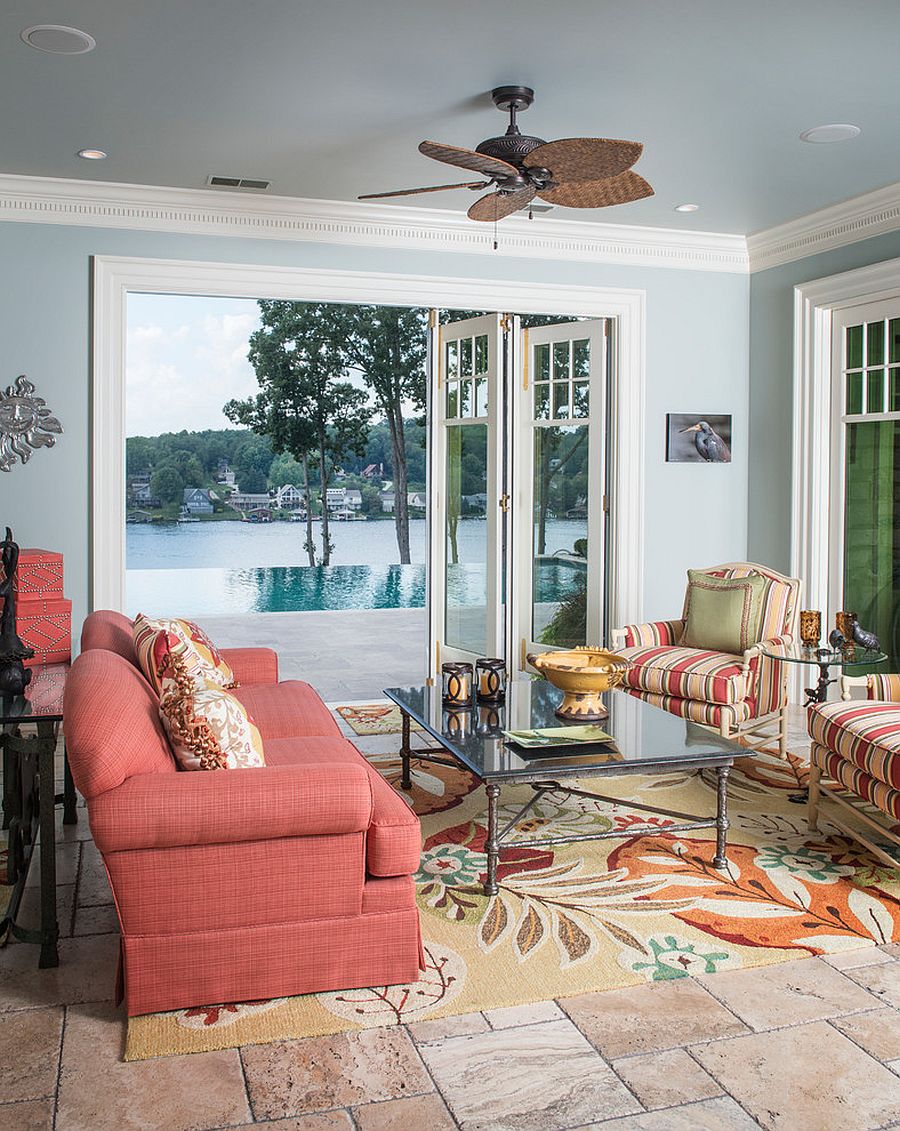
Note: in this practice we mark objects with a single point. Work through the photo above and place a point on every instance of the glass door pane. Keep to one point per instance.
(466, 615)
(872, 530)
(561, 472)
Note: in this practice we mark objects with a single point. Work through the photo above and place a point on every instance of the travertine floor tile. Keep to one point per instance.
(509, 1016)
(862, 956)
(809, 1076)
(99, 919)
(292, 1077)
(66, 864)
(650, 1018)
(883, 981)
(665, 1079)
(33, 1115)
(538, 1078)
(721, 1114)
(321, 1121)
(29, 1054)
(463, 1025)
(30, 909)
(893, 949)
(424, 1113)
(86, 972)
(98, 1091)
(93, 883)
(790, 993)
(877, 1032)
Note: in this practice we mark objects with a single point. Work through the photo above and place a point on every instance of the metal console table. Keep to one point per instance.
(30, 799)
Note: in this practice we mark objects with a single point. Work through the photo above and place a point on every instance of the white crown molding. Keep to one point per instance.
(102, 204)
(860, 218)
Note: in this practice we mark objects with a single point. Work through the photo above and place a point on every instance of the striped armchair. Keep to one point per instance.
(740, 696)
(856, 749)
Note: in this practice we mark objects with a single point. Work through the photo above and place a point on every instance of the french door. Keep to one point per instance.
(864, 573)
(518, 471)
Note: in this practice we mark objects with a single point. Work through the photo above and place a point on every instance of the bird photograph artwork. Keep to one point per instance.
(691, 438)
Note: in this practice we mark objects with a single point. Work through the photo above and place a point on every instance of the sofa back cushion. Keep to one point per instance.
(109, 630)
(111, 723)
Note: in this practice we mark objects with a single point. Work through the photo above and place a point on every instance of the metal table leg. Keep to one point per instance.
(720, 860)
(405, 751)
(492, 845)
(69, 799)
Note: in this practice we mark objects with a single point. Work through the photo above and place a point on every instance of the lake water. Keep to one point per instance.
(208, 568)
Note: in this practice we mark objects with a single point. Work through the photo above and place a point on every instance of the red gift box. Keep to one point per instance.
(45, 626)
(39, 574)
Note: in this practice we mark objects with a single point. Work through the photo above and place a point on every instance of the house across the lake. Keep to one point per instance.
(197, 500)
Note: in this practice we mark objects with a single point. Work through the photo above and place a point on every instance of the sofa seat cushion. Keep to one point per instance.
(865, 734)
(393, 839)
(686, 673)
(310, 749)
(708, 714)
(857, 781)
(286, 710)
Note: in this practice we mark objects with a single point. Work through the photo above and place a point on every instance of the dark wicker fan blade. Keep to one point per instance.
(496, 205)
(599, 194)
(413, 191)
(585, 158)
(468, 159)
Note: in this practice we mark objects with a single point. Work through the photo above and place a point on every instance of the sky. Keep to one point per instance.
(186, 356)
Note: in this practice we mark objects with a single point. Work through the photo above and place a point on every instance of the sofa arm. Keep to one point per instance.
(228, 806)
(767, 675)
(252, 665)
(652, 634)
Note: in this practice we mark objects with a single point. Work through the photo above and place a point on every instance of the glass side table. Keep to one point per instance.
(30, 798)
(825, 659)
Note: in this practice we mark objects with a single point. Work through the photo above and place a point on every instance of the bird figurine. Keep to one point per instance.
(709, 444)
(865, 639)
(837, 640)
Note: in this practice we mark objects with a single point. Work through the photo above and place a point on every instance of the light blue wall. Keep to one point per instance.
(771, 388)
(697, 360)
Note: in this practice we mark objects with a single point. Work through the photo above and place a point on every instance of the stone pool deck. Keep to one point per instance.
(347, 656)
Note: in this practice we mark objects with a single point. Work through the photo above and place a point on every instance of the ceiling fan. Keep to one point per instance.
(576, 172)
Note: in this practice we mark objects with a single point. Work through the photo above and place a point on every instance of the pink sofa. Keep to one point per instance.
(236, 885)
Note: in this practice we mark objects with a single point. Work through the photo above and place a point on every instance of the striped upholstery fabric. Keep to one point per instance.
(884, 687)
(865, 734)
(769, 690)
(857, 781)
(710, 714)
(686, 673)
(659, 632)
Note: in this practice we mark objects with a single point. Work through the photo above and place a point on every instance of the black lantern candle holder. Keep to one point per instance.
(458, 681)
(490, 680)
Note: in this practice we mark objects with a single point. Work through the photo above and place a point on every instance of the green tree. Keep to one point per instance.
(304, 406)
(252, 461)
(371, 501)
(167, 485)
(253, 482)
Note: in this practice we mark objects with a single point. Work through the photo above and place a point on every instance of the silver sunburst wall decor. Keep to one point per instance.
(25, 423)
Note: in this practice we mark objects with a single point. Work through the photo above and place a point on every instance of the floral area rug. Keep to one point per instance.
(366, 719)
(592, 915)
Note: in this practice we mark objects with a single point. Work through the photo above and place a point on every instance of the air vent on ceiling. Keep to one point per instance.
(238, 183)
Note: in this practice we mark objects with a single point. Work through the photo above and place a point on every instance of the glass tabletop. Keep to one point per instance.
(643, 735)
(43, 698)
(828, 657)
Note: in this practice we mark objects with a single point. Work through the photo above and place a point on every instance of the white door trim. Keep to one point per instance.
(811, 509)
(114, 277)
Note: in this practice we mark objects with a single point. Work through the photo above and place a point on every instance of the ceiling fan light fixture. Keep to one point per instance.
(687, 207)
(834, 131)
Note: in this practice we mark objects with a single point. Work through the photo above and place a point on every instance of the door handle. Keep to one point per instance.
(503, 503)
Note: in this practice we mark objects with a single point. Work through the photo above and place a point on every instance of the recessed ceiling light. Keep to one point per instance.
(686, 207)
(59, 39)
(836, 131)
(92, 154)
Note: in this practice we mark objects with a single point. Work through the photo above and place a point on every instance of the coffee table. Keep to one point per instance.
(647, 741)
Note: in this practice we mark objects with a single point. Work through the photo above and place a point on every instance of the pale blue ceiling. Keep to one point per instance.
(330, 99)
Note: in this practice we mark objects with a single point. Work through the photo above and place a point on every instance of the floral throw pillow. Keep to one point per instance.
(208, 728)
(156, 637)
